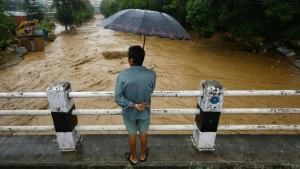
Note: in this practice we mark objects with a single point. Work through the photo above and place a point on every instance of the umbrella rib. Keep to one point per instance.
(141, 22)
(125, 11)
(171, 28)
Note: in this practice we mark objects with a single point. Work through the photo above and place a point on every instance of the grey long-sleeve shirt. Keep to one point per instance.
(135, 85)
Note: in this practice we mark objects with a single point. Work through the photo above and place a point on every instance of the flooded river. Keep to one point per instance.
(180, 65)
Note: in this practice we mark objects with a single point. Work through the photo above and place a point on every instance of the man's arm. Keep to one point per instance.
(119, 98)
(122, 101)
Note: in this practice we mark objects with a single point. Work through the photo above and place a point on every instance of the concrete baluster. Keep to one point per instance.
(210, 105)
(61, 107)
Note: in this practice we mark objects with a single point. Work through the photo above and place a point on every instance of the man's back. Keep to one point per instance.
(136, 84)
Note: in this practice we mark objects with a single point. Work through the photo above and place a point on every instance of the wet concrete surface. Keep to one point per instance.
(166, 151)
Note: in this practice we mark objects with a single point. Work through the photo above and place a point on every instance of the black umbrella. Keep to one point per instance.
(147, 23)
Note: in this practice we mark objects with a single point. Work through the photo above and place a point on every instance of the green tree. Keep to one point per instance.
(282, 19)
(238, 19)
(33, 10)
(108, 7)
(7, 28)
(243, 19)
(69, 12)
(271, 19)
(64, 12)
(175, 8)
(46, 25)
(203, 15)
(84, 11)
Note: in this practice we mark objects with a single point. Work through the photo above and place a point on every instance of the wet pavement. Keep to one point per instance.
(166, 151)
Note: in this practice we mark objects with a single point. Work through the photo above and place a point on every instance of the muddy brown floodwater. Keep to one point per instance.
(180, 65)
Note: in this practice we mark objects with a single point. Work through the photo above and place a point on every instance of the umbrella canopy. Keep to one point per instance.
(146, 22)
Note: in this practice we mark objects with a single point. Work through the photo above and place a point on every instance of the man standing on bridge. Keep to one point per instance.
(133, 93)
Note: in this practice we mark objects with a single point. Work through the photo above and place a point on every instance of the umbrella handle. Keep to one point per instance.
(144, 41)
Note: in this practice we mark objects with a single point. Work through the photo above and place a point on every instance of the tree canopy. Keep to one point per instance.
(175, 8)
(271, 19)
(33, 10)
(69, 12)
(245, 19)
(7, 28)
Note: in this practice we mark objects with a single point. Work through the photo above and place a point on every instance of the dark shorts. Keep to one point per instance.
(133, 126)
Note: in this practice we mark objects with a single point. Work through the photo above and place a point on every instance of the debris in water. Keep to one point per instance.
(22, 50)
(114, 54)
(286, 52)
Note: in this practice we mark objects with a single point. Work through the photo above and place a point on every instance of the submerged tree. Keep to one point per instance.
(69, 12)
(64, 12)
(84, 11)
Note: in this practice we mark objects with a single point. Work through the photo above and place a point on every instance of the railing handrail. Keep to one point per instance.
(154, 111)
(290, 127)
(210, 100)
(194, 93)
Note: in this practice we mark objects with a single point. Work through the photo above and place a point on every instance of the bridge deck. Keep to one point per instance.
(166, 151)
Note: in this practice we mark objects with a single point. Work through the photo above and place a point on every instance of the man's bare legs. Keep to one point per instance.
(132, 138)
(143, 138)
(132, 144)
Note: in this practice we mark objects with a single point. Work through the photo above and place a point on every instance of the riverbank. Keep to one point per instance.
(294, 60)
(10, 58)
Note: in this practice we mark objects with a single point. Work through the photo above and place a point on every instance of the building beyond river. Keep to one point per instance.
(96, 5)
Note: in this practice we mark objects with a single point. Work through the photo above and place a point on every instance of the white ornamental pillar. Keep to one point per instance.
(61, 107)
(210, 105)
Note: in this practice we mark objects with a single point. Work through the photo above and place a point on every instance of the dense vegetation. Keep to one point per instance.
(244, 19)
(46, 25)
(176, 8)
(69, 12)
(7, 28)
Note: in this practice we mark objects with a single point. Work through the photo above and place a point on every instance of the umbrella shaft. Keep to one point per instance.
(144, 41)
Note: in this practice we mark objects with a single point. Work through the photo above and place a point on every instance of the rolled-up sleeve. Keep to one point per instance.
(119, 97)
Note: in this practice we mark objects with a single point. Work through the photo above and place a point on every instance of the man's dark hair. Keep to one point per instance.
(136, 53)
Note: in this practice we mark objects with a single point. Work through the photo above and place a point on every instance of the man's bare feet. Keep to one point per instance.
(133, 159)
(144, 156)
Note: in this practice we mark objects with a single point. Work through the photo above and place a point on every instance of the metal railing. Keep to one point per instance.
(157, 94)
(155, 111)
(154, 128)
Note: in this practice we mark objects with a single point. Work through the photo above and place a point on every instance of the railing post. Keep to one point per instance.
(210, 105)
(61, 107)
